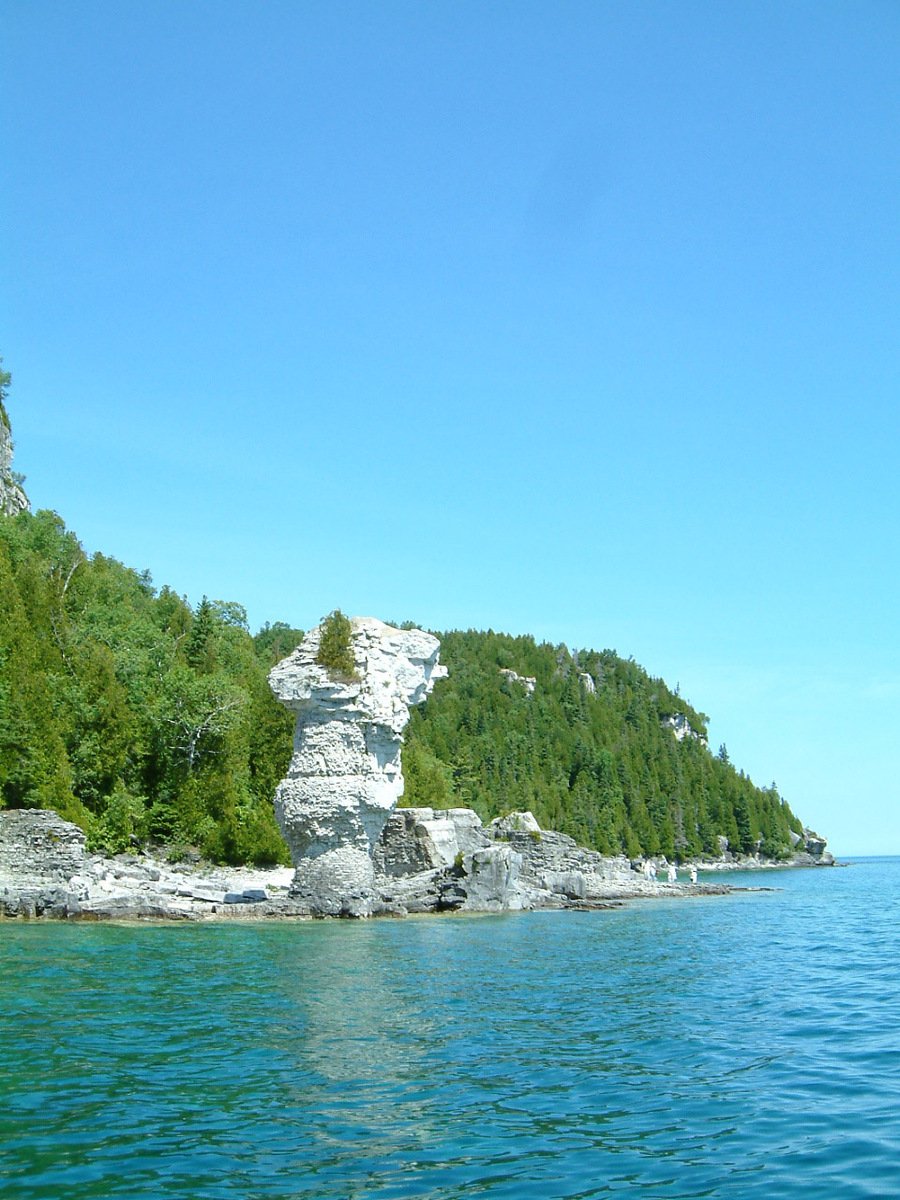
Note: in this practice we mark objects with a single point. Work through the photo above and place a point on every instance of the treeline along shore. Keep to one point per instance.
(144, 720)
(149, 723)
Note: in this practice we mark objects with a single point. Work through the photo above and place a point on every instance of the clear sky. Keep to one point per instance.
(573, 319)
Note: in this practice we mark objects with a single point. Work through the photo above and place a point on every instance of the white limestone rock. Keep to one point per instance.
(555, 863)
(682, 728)
(528, 682)
(435, 860)
(492, 881)
(345, 775)
(12, 497)
(427, 839)
(571, 884)
(812, 850)
(514, 822)
(36, 845)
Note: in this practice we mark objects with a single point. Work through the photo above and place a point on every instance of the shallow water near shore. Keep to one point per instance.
(737, 1046)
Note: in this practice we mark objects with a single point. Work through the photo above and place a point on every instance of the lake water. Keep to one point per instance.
(743, 1046)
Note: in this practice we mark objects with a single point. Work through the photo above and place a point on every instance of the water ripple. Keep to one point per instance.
(737, 1048)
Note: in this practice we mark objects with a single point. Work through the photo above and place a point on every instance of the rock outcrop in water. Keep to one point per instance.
(345, 776)
(810, 849)
(426, 860)
(354, 854)
(45, 871)
(431, 860)
(41, 859)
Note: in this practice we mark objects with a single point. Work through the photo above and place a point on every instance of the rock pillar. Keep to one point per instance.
(345, 775)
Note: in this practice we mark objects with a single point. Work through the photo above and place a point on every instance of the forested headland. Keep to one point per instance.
(586, 741)
(142, 718)
(146, 720)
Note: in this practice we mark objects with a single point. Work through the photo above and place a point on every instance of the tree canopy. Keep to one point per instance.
(142, 718)
(128, 711)
(591, 752)
(335, 651)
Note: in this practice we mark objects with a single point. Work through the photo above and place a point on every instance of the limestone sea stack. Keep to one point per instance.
(345, 776)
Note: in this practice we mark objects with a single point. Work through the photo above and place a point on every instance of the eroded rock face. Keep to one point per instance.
(811, 849)
(345, 777)
(682, 728)
(528, 682)
(12, 498)
(432, 860)
(46, 872)
(37, 844)
(427, 839)
(427, 861)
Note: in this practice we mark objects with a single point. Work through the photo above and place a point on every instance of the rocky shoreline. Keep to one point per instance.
(426, 861)
(355, 853)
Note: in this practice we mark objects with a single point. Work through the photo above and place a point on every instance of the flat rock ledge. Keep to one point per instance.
(45, 871)
(425, 861)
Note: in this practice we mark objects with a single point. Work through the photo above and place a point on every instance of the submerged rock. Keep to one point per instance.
(344, 777)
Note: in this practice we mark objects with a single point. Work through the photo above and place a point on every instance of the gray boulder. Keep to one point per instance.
(426, 839)
(514, 822)
(492, 883)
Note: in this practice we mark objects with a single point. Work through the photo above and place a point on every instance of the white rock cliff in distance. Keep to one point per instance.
(12, 497)
(345, 776)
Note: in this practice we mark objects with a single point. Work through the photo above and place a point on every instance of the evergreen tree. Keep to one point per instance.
(126, 712)
(137, 717)
(335, 651)
(603, 767)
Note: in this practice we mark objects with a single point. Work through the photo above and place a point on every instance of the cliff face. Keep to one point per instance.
(12, 498)
(811, 849)
(345, 777)
(682, 728)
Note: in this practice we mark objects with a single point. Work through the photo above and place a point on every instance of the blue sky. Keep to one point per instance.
(573, 319)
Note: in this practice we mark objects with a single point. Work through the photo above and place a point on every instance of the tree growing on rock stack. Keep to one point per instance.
(336, 647)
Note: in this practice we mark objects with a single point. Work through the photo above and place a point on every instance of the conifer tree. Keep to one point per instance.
(335, 645)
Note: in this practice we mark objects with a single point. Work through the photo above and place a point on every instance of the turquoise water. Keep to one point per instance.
(744, 1046)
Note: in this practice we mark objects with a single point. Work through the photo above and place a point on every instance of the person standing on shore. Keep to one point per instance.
(693, 873)
(673, 873)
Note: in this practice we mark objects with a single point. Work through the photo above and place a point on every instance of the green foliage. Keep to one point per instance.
(123, 825)
(335, 651)
(275, 642)
(599, 765)
(138, 717)
(5, 381)
(129, 712)
(427, 782)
